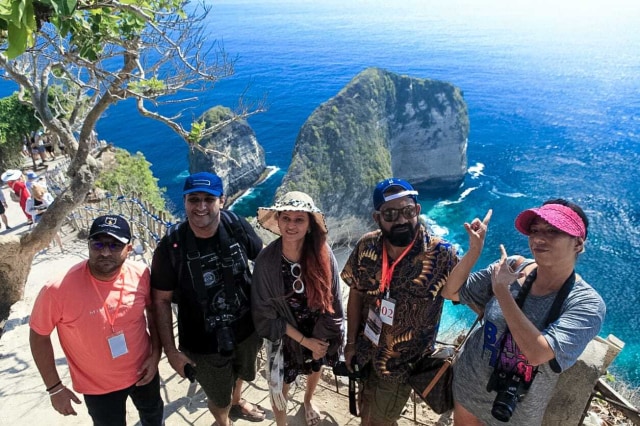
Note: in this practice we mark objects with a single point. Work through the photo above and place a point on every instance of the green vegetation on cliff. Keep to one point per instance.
(378, 125)
(131, 174)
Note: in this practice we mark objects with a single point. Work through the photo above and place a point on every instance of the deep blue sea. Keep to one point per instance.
(553, 93)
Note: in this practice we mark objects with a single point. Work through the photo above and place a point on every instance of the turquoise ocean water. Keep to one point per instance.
(553, 93)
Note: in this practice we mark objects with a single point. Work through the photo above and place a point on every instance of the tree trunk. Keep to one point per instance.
(18, 253)
(14, 270)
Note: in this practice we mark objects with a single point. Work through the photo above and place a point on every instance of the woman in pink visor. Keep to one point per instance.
(539, 315)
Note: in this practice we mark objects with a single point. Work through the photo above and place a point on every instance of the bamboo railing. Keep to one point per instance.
(148, 224)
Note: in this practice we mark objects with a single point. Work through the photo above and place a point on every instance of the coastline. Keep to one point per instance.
(269, 171)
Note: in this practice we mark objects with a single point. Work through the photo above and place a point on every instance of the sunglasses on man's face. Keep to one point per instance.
(113, 246)
(391, 215)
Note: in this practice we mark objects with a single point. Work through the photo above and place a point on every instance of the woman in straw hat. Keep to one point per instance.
(539, 315)
(296, 299)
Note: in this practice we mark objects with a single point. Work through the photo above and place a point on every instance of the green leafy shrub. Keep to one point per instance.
(132, 175)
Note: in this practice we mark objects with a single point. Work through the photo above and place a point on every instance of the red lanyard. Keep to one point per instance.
(110, 319)
(387, 271)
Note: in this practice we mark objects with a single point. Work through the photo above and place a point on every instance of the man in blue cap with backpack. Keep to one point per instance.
(202, 264)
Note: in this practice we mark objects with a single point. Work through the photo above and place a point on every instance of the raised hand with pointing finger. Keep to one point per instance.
(477, 231)
(503, 275)
(522, 329)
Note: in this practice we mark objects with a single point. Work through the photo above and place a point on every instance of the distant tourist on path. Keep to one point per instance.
(539, 316)
(395, 275)
(15, 180)
(203, 265)
(98, 308)
(296, 299)
(38, 203)
(33, 178)
(3, 207)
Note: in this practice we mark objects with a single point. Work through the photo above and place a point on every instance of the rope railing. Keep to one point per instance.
(148, 225)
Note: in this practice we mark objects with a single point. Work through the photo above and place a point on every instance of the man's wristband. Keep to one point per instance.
(57, 392)
(50, 388)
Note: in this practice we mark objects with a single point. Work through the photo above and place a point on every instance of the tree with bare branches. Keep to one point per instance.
(101, 52)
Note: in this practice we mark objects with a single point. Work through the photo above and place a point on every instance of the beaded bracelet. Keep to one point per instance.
(49, 389)
(57, 392)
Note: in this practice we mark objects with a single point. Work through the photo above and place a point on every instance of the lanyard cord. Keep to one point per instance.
(387, 271)
(110, 319)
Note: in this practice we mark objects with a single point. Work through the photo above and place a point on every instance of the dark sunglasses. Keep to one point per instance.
(112, 246)
(391, 215)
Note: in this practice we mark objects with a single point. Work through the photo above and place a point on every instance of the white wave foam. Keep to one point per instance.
(495, 191)
(272, 171)
(460, 199)
(435, 228)
(182, 175)
(476, 170)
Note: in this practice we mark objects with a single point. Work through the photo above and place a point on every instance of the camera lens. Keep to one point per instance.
(501, 411)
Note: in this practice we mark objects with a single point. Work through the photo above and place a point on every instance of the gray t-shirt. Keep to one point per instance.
(580, 320)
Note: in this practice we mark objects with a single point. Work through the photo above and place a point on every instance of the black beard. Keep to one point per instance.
(400, 235)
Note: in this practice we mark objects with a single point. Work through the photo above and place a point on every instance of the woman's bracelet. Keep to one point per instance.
(350, 343)
(50, 388)
(58, 391)
(301, 339)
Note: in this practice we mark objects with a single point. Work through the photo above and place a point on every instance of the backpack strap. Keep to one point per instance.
(234, 228)
(554, 313)
(234, 232)
(175, 254)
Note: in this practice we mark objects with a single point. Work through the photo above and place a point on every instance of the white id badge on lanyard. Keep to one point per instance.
(387, 309)
(118, 345)
(374, 327)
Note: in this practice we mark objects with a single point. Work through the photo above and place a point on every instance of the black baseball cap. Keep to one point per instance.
(113, 225)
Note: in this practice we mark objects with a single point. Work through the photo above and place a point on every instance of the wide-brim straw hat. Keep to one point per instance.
(10, 175)
(294, 201)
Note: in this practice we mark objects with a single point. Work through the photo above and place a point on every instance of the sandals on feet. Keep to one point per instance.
(256, 414)
(312, 416)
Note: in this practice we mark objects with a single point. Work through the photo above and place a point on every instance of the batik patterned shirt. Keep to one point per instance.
(416, 285)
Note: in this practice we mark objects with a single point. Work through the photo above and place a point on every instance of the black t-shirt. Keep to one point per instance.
(191, 316)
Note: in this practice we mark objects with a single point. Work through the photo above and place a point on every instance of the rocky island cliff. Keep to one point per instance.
(380, 124)
(235, 154)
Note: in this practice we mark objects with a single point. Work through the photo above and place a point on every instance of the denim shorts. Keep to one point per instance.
(217, 374)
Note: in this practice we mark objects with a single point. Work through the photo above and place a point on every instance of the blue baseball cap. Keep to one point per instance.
(406, 190)
(203, 182)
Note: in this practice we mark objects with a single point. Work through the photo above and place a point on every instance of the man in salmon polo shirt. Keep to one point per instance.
(98, 308)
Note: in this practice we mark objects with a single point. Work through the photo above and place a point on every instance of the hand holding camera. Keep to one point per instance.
(340, 369)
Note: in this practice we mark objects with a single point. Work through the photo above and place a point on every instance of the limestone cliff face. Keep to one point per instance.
(238, 158)
(381, 124)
